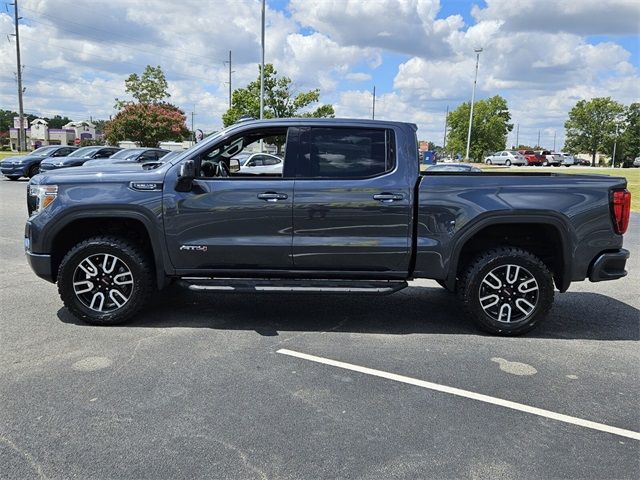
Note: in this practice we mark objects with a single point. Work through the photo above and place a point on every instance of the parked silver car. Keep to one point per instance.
(506, 157)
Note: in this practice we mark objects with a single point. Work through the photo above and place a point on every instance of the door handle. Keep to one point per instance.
(388, 197)
(272, 196)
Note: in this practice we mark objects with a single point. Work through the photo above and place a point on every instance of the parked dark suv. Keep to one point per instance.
(78, 158)
(130, 155)
(29, 165)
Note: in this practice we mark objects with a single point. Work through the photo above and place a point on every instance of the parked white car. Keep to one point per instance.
(506, 157)
(259, 163)
(553, 158)
(567, 159)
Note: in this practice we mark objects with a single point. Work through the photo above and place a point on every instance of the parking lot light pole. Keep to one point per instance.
(473, 96)
(262, 77)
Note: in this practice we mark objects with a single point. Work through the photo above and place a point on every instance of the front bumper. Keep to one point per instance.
(14, 170)
(41, 265)
(609, 266)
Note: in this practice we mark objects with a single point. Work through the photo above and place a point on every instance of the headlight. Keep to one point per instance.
(44, 195)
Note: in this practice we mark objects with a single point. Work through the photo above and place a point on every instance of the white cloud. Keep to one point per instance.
(357, 77)
(408, 26)
(583, 17)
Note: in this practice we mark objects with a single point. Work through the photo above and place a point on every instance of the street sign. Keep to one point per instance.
(16, 122)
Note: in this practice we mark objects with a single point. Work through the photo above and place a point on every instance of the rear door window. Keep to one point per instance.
(346, 153)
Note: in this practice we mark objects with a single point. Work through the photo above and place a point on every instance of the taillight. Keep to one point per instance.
(620, 210)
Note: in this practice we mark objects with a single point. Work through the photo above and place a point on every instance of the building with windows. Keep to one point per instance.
(39, 134)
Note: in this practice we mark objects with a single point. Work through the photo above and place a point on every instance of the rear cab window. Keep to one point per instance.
(345, 152)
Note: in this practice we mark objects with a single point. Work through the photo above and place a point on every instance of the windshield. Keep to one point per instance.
(126, 154)
(84, 152)
(170, 155)
(43, 150)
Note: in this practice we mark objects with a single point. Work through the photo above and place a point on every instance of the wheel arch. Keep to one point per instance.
(132, 225)
(546, 236)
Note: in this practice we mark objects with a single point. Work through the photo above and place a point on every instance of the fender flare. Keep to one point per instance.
(153, 227)
(556, 220)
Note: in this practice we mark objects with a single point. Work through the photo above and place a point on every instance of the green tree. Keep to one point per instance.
(151, 87)
(591, 126)
(149, 120)
(6, 119)
(279, 100)
(489, 130)
(57, 121)
(629, 139)
(100, 125)
(147, 124)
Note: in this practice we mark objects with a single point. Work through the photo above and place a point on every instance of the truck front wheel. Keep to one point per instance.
(506, 290)
(104, 280)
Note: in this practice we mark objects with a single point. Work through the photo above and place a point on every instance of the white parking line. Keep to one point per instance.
(467, 394)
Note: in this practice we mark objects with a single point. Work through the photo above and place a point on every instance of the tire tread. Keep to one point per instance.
(144, 283)
(466, 281)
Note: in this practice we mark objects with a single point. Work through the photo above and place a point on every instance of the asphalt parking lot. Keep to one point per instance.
(207, 386)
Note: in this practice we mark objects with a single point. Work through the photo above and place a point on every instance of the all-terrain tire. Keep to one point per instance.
(508, 276)
(111, 297)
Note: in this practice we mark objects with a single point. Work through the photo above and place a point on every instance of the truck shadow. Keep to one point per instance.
(415, 310)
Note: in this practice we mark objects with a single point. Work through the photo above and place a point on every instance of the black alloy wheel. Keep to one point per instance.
(506, 290)
(105, 280)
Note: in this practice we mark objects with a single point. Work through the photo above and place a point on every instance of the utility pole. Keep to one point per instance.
(473, 96)
(446, 125)
(517, 136)
(615, 141)
(22, 134)
(554, 140)
(373, 111)
(262, 69)
(230, 72)
(539, 146)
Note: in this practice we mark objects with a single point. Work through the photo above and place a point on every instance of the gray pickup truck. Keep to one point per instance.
(350, 212)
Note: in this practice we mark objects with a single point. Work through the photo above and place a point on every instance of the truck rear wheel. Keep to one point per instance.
(506, 291)
(104, 280)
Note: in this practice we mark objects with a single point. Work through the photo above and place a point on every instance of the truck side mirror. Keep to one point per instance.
(186, 176)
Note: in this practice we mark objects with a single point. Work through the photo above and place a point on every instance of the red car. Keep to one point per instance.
(532, 157)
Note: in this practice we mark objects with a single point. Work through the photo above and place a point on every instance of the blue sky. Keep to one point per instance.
(541, 55)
